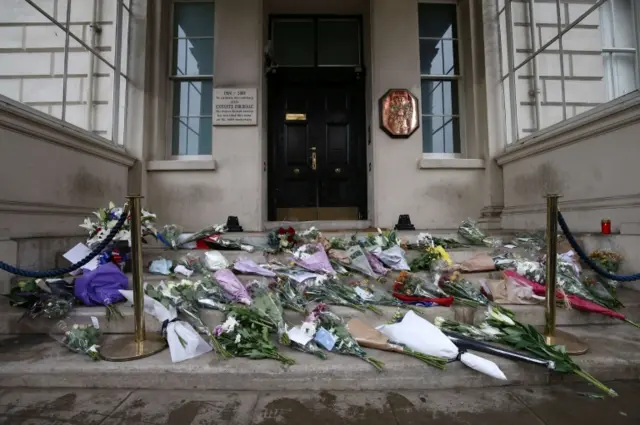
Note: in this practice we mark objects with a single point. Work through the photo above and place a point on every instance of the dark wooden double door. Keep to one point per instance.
(317, 146)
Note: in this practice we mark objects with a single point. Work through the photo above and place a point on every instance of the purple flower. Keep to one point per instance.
(217, 331)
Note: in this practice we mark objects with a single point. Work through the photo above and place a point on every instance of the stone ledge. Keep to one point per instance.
(40, 361)
(427, 163)
(182, 165)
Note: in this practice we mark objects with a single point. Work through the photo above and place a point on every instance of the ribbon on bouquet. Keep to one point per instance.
(184, 342)
(424, 301)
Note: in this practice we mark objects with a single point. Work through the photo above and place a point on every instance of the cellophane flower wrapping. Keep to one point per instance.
(358, 260)
(302, 339)
(314, 258)
(214, 260)
(290, 295)
(51, 298)
(245, 265)
(462, 290)
(266, 302)
(184, 341)
(393, 257)
(232, 286)
(106, 219)
(82, 339)
(171, 234)
(470, 231)
(101, 286)
(376, 265)
(422, 336)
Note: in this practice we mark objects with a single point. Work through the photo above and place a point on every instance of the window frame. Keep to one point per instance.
(172, 79)
(458, 78)
(512, 114)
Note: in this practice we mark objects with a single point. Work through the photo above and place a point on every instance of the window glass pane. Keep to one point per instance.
(293, 42)
(440, 134)
(339, 42)
(193, 56)
(438, 57)
(439, 97)
(191, 136)
(437, 20)
(193, 98)
(193, 20)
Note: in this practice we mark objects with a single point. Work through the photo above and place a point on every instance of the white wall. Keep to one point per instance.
(590, 160)
(441, 193)
(53, 177)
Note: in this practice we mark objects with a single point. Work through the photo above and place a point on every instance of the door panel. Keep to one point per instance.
(333, 128)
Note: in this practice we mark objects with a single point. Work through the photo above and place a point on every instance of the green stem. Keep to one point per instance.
(434, 361)
(632, 323)
(375, 309)
(586, 376)
(375, 363)
(283, 359)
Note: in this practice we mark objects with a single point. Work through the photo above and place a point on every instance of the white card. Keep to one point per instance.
(77, 253)
(94, 322)
(296, 334)
(363, 293)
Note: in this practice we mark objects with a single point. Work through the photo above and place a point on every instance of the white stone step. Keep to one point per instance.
(40, 361)
(12, 321)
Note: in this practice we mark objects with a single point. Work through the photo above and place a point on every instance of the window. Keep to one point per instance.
(439, 77)
(619, 46)
(561, 58)
(311, 42)
(192, 78)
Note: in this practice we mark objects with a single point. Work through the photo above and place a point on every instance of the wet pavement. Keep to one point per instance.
(550, 405)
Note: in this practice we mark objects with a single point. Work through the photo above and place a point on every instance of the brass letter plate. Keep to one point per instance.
(295, 117)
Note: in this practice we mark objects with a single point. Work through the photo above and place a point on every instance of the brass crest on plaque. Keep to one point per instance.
(399, 114)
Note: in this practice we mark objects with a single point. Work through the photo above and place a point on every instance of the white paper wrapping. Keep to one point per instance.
(192, 344)
(422, 336)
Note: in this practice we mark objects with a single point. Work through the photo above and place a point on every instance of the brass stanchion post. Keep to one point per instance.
(125, 348)
(553, 336)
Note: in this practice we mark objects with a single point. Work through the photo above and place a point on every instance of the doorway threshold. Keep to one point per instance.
(322, 225)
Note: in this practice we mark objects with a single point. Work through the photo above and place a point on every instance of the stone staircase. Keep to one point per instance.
(31, 357)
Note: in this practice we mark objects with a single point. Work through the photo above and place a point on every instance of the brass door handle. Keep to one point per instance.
(313, 161)
(296, 171)
(338, 170)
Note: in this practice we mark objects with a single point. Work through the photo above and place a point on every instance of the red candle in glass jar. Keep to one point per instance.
(605, 226)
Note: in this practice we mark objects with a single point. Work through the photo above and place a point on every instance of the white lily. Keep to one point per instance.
(489, 330)
(496, 315)
(238, 338)
(439, 321)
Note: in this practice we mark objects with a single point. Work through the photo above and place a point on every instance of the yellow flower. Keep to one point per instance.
(22, 284)
(444, 255)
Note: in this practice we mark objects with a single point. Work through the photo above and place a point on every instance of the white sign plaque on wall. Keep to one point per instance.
(235, 106)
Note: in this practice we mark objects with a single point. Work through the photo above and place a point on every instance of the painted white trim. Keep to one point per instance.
(38, 208)
(601, 119)
(26, 120)
(601, 203)
(426, 163)
(182, 165)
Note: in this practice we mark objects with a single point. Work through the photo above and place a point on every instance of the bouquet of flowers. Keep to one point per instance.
(313, 258)
(289, 295)
(83, 339)
(600, 289)
(183, 297)
(469, 231)
(107, 219)
(463, 291)
(245, 333)
(570, 282)
(170, 235)
(607, 260)
(184, 342)
(501, 326)
(301, 338)
(52, 299)
(366, 336)
(384, 240)
(232, 286)
(283, 239)
(410, 288)
(334, 336)
(533, 270)
(421, 336)
(268, 305)
(310, 235)
(426, 240)
(332, 291)
(432, 258)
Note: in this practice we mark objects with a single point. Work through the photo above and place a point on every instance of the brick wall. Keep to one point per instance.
(32, 58)
(585, 85)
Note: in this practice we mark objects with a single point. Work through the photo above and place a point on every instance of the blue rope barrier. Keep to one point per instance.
(584, 257)
(59, 272)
